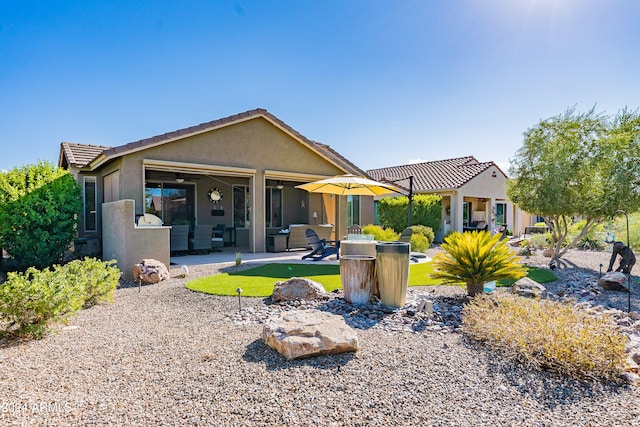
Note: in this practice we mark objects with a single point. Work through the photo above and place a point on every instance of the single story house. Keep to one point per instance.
(473, 193)
(240, 171)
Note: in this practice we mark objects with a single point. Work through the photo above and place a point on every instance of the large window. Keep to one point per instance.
(241, 206)
(353, 210)
(273, 208)
(172, 202)
(90, 203)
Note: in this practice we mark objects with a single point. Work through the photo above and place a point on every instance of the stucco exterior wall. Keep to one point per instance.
(486, 186)
(253, 144)
(128, 244)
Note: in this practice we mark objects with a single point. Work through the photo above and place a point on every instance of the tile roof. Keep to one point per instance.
(79, 155)
(435, 175)
(82, 155)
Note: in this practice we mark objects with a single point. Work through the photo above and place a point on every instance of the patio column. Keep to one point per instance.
(517, 219)
(491, 215)
(457, 201)
(257, 239)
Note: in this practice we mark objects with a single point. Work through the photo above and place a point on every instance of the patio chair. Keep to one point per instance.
(201, 240)
(217, 241)
(319, 248)
(405, 237)
(354, 229)
(179, 238)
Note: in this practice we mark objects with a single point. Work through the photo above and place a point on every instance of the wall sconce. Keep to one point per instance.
(179, 180)
(494, 174)
(315, 216)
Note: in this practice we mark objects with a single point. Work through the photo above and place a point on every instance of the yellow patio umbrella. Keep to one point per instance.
(349, 185)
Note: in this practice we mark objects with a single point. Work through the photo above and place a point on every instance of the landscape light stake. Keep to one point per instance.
(600, 277)
(626, 260)
(239, 291)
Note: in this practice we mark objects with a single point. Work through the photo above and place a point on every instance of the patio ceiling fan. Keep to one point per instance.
(180, 178)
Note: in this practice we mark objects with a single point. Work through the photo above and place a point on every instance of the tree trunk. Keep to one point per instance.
(474, 289)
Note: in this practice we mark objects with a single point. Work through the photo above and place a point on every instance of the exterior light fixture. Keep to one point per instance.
(239, 291)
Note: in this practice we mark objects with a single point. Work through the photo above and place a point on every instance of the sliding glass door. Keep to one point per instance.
(173, 202)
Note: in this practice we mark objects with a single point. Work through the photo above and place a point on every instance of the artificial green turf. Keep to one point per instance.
(259, 281)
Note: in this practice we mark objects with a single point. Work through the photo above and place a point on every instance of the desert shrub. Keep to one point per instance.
(425, 231)
(421, 238)
(419, 243)
(39, 205)
(591, 242)
(380, 234)
(31, 300)
(619, 228)
(539, 241)
(426, 210)
(526, 251)
(475, 258)
(96, 278)
(547, 335)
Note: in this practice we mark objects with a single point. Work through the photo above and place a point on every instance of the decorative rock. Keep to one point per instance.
(300, 334)
(548, 253)
(150, 271)
(526, 287)
(613, 281)
(297, 288)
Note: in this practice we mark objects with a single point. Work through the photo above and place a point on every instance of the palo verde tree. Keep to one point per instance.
(578, 165)
(39, 207)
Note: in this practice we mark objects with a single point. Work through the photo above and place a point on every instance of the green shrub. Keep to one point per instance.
(98, 279)
(380, 234)
(39, 207)
(427, 210)
(539, 241)
(30, 301)
(619, 228)
(421, 238)
(475, 258)
(547, 335)
(591, 242)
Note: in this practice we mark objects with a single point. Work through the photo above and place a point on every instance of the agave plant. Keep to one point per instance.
(476, 258)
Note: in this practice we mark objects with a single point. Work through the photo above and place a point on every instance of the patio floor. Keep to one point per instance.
(228, 255)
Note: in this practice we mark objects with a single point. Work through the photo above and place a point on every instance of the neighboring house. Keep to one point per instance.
(240, 171)
(473, 193)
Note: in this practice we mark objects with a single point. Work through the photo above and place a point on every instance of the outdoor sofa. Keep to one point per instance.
(297, 238)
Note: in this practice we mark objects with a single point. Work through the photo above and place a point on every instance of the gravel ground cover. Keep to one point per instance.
(167, 356)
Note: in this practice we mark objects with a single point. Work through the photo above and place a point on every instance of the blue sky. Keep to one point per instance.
(383, 82)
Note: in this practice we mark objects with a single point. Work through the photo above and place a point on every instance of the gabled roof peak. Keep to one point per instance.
(93, 156)
(437, 174)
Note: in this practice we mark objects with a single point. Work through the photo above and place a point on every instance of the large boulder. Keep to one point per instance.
(297, 288)
(150, 271)
(526, 287)
(306, 333)
(613, 281)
